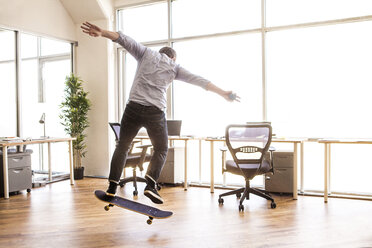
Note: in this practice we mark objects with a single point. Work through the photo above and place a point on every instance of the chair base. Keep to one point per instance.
(246, 191)
(133, 179)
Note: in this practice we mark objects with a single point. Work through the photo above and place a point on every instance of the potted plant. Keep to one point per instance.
(74, 117)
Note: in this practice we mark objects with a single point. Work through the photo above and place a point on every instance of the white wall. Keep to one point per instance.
(43, 17)
(94, 58)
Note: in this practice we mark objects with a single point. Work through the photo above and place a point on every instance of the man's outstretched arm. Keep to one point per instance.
(228, 95)
(186, 76)
(133, 47)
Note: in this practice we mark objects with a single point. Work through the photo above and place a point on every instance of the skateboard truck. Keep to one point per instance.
(107, 208)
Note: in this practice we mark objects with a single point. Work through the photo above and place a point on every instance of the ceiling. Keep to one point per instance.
(84, 10)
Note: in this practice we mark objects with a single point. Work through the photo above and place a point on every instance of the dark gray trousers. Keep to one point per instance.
(135, 117)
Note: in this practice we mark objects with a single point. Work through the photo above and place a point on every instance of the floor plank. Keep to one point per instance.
(61, 215)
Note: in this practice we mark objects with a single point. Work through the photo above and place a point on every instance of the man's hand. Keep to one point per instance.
(91, 29)
(96, 31)
(231, 96)
(228, 95)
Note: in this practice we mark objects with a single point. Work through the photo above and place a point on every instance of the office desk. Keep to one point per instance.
(327, 157)
(295, 142)
(171, 138)
(6, 144)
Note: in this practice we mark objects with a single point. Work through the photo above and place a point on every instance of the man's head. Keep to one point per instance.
(170, 52)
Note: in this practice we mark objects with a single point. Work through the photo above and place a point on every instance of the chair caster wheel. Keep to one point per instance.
(220, 200)
(149, 221)
(135, 193)
(238, 195)
(273, 205)
(241, 208)
(28, 190)
(158, 187)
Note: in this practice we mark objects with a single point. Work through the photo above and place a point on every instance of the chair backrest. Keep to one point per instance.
(248, 143)
(116, 128)
(174, 127)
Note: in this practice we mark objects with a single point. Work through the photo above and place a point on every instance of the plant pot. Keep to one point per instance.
(79, 173)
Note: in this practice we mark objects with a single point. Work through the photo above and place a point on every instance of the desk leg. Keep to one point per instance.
(200, 161)
(185, 185)
(302, 166)
(50, 162)
(5, 172)
(212, 167)
(294, 171)
(72, 182)
(326, 170)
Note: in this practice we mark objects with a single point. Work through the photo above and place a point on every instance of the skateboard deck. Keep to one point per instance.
(151, 212)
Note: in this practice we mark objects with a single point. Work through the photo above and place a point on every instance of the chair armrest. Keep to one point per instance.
(223, 149)
(132, 146)
(144, 146)
(143, 155)
(271, 150)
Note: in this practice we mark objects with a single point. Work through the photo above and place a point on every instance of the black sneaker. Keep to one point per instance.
(111, 191)
(153, 194)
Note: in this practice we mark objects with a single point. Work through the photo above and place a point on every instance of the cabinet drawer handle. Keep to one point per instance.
(17, 170)
(17, 159)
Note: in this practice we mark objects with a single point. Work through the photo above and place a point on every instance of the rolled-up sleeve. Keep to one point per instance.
(188, 77)
(135, 48)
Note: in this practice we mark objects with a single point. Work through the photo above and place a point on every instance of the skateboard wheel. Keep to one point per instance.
(107, 208)
(149, 221)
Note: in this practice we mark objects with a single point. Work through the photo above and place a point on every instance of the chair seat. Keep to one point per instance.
(133, 160)
(248, 169)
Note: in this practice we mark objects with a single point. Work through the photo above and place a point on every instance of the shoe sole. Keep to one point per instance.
(153, 197)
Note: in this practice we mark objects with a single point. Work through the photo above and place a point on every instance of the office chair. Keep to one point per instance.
(248, 145)
(134, 160)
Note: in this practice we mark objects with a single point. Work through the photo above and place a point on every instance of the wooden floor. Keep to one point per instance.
(60, 215)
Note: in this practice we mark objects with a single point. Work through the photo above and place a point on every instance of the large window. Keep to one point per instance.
(195, 17)
(316, 79)
(146, 23)
(8, 123)
(288, 12)
(44, 64)
(231, 62)
(322, 91)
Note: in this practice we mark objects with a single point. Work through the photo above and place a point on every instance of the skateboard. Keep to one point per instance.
(151, 212)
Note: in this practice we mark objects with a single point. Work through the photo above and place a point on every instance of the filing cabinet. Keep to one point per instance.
(282, 179)
(173, 169)
(19, 172)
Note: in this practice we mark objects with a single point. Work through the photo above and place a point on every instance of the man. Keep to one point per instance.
(146, 104)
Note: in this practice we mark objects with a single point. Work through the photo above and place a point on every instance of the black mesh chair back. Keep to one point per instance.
(248, 145)
(116, 128)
